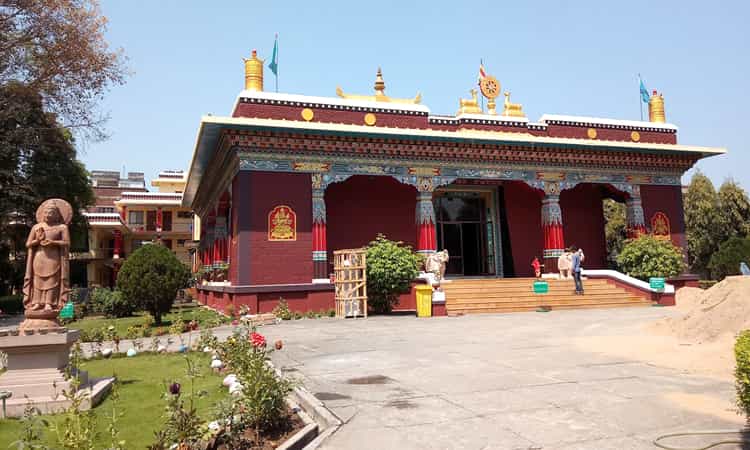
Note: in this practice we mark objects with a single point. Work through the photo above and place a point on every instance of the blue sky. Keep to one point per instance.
(578, 58)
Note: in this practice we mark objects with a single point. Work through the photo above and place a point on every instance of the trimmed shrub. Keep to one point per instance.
(742, 372)
(11, 304)
(111, 303)
(391, 267)
(726, 261)
(151, 277)
(647, 257)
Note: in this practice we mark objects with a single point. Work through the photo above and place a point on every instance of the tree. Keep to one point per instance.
(37, 161)
(615, 230)
(150, 278)
(734, 210)
(726, 261)
(391, 267)
(646, 257)
(702, 223)
(57, 48)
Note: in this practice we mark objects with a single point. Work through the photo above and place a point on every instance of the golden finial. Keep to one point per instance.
(512, 109)
(379, 84)
(253, 73)
(379, 93)
(469, 106)
(656, 108)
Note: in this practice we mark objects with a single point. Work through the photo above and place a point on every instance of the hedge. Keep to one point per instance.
(11, 304)
(742, 372)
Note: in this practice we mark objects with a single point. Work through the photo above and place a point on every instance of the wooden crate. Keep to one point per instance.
(350, 271)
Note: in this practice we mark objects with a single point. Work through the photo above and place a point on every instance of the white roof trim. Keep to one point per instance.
(336, 101)
(463, 134)
(494, 117)
(599, 121)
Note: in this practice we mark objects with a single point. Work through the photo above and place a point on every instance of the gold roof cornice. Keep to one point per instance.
(379, 94)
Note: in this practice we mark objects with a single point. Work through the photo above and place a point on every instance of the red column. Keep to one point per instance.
(552, 227)
(426, 237)
(158, 220)
(124, 214)
(118, 244)
(319, 246)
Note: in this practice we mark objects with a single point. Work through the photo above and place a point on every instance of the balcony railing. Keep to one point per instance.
(94, 253)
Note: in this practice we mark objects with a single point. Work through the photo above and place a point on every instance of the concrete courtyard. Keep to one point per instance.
(501, 381)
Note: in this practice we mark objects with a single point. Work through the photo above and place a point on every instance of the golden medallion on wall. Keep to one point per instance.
(591, 133)
(660, 227)
(370, 119)
(635, 136)
(307, 114)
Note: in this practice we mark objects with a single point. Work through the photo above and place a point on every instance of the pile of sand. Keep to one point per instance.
(722, 310)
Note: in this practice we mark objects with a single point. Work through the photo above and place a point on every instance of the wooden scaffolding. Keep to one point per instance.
(350, 271)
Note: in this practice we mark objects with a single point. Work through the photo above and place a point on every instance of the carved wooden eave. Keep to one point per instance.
(219, 139)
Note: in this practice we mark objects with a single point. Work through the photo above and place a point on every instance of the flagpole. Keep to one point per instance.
(640, 96)
(277, 64)
(481, 63)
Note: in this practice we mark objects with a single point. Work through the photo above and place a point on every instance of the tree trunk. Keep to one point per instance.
(157, 317)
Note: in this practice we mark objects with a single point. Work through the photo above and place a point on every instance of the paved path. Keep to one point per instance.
(501, 381)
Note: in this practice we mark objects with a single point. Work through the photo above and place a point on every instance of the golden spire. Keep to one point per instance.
(379, 93)
(656, 108)
(379, 84)
(253, 73)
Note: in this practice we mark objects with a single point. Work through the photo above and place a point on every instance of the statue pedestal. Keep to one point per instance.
(36, 371)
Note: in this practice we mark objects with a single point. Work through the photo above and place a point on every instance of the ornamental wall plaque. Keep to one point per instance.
(282, 224)
(660, 227)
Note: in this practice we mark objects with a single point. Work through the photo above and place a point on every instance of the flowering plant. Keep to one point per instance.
(258, 340)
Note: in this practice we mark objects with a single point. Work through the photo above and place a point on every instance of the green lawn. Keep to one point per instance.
(203, 316)
(141, 386)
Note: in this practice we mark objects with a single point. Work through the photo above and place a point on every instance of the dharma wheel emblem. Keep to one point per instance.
(490, 86)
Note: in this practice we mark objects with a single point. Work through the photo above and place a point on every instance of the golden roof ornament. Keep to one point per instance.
(469, 106)
(379, 93)
(253, 73)
(512, 109)
(656, 108)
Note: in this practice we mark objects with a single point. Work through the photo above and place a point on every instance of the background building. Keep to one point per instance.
(126, 216)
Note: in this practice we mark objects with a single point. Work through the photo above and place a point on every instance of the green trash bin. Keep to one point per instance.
(424, 300)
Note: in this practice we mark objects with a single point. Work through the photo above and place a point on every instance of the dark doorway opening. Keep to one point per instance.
(463, 222)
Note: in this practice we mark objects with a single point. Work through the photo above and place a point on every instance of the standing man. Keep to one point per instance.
(576, 267)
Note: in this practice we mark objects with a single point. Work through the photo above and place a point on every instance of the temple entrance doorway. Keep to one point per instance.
(465, 226)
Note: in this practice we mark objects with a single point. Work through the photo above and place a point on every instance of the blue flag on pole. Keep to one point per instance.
(644, 92)
(274, 64)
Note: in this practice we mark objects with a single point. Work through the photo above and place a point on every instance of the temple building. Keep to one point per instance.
(287, 179)
(126, 216)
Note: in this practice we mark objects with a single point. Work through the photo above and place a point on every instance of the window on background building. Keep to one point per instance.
(166, 220)
(151, 220)
(167, 243)
(184, 215)
(180, 242)
(135, 218)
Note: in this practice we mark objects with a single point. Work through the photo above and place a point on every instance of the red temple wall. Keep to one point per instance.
(667, 199)
(363, 206)
(275, 262)
(523, 210)
(583, 223)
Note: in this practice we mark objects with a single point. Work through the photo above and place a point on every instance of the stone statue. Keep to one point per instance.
(46, 282)
(435, 264)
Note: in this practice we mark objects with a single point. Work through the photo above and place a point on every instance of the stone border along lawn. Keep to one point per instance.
(203, 315)
(141, 386)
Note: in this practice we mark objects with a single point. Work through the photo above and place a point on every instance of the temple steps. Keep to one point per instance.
(490, 295)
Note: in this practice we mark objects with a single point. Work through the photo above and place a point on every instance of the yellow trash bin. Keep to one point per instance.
(424, 300)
